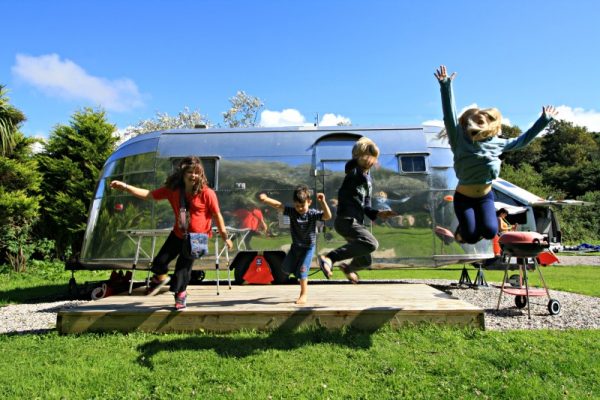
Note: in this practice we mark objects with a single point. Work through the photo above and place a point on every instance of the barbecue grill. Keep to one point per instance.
(525, 246)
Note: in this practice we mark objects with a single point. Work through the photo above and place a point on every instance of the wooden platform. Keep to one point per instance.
(271, 307)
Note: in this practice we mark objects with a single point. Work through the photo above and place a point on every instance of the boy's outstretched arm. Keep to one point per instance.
(324, 206)
(270, 202)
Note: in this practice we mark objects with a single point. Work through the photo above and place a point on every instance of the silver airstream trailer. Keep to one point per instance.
(414, 177)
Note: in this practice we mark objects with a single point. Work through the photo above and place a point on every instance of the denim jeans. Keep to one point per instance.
(297, 261)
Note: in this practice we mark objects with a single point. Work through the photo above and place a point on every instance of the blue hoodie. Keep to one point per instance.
(478, 162)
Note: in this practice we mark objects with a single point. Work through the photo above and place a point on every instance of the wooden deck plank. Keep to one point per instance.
(367, 306)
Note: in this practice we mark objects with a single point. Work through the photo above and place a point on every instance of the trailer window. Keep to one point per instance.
(412, 163)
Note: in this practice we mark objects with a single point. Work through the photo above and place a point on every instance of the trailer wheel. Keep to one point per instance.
(554, 307)
(197, 277)
(520, 301)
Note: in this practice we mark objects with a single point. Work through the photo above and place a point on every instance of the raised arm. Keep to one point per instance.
(324, 206)
(548, 113)
(140, 193)
(271, 202)
(448, 106)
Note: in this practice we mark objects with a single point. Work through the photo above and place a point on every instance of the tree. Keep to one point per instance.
(571, 158)
(243, 112)
(10, 119)
(528, 178)
(70, 165)
(19, 202)
(530, 154)
(185, 119)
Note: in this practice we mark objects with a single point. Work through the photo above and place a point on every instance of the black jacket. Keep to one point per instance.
(354, 196)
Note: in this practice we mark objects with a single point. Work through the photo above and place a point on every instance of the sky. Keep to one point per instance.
(368, 63)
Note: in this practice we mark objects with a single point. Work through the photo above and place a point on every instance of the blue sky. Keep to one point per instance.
(370, 62)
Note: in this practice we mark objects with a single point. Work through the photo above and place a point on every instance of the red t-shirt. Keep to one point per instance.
(202, 207)
(249, 219)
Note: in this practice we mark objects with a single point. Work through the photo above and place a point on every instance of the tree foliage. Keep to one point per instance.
(71, 164)
(19, 202)
(10, 119)
(185, 119)
(243, 111)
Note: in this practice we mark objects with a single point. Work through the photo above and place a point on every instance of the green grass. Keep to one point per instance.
(415, 362)
(422, 362)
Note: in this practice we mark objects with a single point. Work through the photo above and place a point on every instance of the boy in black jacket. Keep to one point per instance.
(354, 202)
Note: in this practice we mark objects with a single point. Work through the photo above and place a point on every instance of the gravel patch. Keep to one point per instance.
(32, 318)
(577, 311)
(579, 260)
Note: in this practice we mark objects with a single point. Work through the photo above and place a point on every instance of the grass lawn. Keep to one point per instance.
(421, 362)
(416, 362)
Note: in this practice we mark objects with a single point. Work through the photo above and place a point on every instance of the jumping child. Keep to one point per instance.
(303, 224)
(354, 202)
(474, 140)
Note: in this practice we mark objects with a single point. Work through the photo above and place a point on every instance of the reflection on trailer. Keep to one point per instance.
(414, 177)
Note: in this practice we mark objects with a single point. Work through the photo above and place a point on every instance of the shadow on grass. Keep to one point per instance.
(36, 294)
(280, 339)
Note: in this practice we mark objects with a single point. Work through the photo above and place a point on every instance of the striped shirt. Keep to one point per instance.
(303, 227)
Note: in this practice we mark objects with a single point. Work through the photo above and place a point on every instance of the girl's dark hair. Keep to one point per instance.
(190, 163)
(502, 211)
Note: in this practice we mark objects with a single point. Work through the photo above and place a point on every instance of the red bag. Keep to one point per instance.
(259, 271)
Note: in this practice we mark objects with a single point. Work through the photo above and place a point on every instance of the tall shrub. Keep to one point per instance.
(70, 164)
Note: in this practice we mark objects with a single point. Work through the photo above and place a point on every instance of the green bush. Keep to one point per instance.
(582, 224)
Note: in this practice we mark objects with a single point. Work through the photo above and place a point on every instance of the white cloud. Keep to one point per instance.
(578, 116)
(287, 117)
(334, 120)
(293, 117)
(434, 122)
(64, 78)
(38, 147)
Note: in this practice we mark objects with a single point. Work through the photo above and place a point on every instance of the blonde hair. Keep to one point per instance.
(365, 147)
(481, 130)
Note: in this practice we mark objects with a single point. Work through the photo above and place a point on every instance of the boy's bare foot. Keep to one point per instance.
(302, 299)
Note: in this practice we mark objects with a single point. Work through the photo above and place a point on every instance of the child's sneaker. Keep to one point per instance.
(180, 300)
(156, 284)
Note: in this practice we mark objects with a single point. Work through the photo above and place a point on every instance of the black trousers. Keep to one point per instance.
(361, 243)
(172, 248)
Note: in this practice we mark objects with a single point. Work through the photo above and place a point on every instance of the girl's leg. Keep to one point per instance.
(182, 275)
(169, 250)
(361, 243)
(464, 208)
(485, 214)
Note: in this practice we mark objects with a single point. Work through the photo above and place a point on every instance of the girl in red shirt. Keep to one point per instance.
(202, 205)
